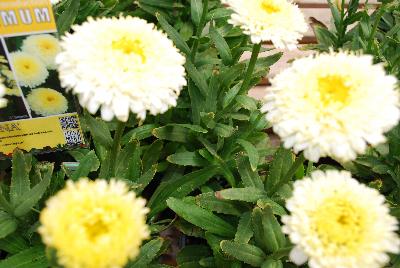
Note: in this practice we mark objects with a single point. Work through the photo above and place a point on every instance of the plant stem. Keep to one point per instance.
(250, 68)
(116, 148)
(199, 31)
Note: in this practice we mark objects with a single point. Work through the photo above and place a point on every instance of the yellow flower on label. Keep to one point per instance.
(121, 65)
(94, 224)
(44, 46)
(29, 69)
(333, 104)
(278, 21)
(47, 101)
(335, 222)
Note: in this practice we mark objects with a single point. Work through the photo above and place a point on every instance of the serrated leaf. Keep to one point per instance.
(248, 194)
(223, 130)
(281, 164)
(267, 230)
(244, 252)
(210, 202)
(146, 178)
(249, 177)
(187, 159)
(201, 217)
(247, 102)
(7, 224)
(173, 34)
(251, 151)
(221, 45)
(30, 258)
(196, 7)
(138, 133)
(179, 187)
(68, 16)
(244, 230)
(30, 198)
(276, 208)
(87, 164)
(13, 243)
(152, 154)
(148, 252)
(197, 77)
(20, 183)
(99, 130)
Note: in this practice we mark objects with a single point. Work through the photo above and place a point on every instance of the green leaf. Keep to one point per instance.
(244, 230)
(196, 7)
(219, 13)
(249, 177)
(7, 224)
(276, 208)
(146, 178)
(31, 258)
(248, 194)
(87, 164)
(267, 230)
(271, 263)
(244, 252)
(99, 130)
(20, 183)
(197, 77)
(178, 132)
(190, 256)
(230, 95)
(173, 34)
(223, 130)
(129, 165)
(148, 252)
(201, 217)
(222, 46)
(152, 154)
(138, 133)
(68, 16)
(13, 243)
(281, 164)
(210, 202)
(187, 159)
(247, 102)
(30, 198)
(251, 151)
(179, 187)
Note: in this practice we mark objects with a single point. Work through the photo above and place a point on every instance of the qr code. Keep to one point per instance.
(73, 137)
(69, 122)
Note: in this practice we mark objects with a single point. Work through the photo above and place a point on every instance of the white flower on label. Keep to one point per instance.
(332, 104)
(335, 221)
(44, 46)
(29, 69)
(122, 65)
(3, 101)
(278, 21)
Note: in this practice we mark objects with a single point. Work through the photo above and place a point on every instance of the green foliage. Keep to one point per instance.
(208, 161)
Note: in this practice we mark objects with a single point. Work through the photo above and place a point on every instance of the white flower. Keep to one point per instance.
(44, 46)
(332, 105)
(54, 2)
(338, 222)
(121, 64)
(279, 21)
(3, 101)
(29, 69)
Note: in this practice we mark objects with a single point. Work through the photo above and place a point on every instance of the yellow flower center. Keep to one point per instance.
(96, 227)
(50, 98)
(333, 89)
(130, 46)
(340, 225)
(269, 6)
(46, 45)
